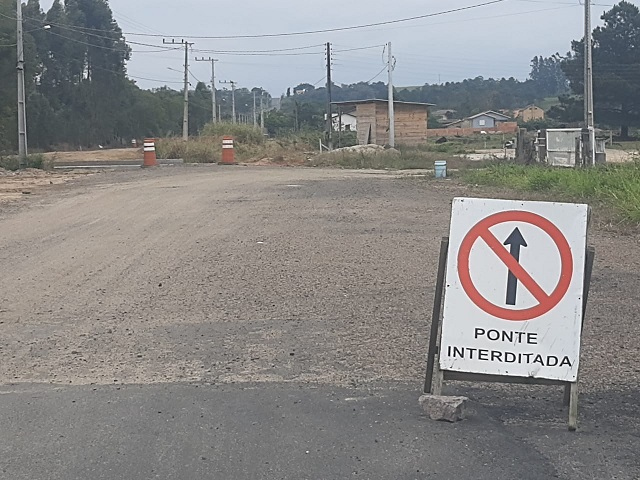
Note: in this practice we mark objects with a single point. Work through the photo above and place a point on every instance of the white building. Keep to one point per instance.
(346, 122)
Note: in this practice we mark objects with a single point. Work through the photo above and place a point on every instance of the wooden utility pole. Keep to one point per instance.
(329, 116)
(185, 114)
(392, 118)
(213, 84)
(22, 104)
(233, 98)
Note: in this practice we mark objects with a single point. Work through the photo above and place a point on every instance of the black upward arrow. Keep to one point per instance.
(516, 240)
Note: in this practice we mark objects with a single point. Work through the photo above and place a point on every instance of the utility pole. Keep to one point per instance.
(329, 117)
(392, 118)
(213, 84)
(588, 67)
(255, 117)
(589, 137)
(262, 111)
(233, 97)
(185, 115)
(22, 104)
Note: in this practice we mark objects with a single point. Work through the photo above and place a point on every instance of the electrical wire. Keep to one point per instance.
(274, 50)
(195, 78)
(218, 52)
(79, 29)
(87, 43)
(358, 48)
(134, 22)
(377, 75)
(321, 80)
(136, 77)
(328, 30)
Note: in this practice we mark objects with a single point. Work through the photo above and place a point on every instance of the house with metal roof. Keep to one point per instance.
(488, 120)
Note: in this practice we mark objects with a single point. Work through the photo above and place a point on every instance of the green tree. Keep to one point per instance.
(547, 75)
(8, 93)
(616, 68)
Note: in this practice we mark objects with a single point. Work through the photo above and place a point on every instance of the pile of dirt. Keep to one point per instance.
(278, 161)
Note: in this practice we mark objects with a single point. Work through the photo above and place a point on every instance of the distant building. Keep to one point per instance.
(345, 122)
(529, 113)
(488, 120)
(372, 117)
(445, 116)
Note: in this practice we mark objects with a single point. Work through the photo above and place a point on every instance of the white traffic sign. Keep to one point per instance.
(514, 287)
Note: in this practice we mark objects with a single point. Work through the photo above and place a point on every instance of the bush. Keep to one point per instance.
(242, 134)
(36, 160)
(200, 150)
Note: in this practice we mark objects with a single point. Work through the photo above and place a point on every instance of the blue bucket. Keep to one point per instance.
(441, 169)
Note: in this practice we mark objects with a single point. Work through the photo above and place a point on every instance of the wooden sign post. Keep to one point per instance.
(515, 279)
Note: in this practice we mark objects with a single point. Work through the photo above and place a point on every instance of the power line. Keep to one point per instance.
(321, 80)
(194, 77)
(274, 50)
(81, 30)
(377, 74)
(218, 52)
(136, 77)
(329, 30)
(103, 47)
(134, 22)
(353, 49)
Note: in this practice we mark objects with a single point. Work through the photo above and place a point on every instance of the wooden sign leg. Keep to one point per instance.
(567, 395)
(438, 378)
(571, 389)
(573, 407)
(435, 318)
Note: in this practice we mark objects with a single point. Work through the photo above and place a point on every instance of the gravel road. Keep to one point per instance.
(246, 275)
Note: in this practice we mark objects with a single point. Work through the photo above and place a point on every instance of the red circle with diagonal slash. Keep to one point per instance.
(545, 302)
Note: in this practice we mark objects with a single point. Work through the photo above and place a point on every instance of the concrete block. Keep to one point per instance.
(448, 409)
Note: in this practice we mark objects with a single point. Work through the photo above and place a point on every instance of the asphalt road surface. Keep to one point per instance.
(272, 323)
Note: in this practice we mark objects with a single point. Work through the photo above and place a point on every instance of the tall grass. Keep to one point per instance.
(242, 134)
(36, 160)
(196, 150)
(380, 160)
(249, 145)
(207, 148)
(615, 185)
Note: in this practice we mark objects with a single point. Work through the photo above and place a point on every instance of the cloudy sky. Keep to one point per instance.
(494, 40)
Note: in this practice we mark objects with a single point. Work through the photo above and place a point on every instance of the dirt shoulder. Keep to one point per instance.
(17, 185)
(95, 155)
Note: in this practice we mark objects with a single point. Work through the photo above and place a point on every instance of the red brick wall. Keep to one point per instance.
(504, 127)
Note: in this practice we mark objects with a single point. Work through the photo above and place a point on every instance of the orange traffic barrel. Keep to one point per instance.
(228, 156)
(150, 159)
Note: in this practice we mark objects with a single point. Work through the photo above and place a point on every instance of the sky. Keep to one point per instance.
(495, 40)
